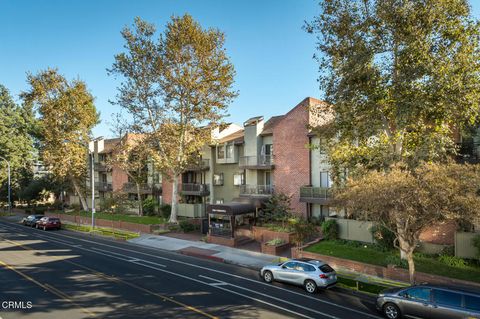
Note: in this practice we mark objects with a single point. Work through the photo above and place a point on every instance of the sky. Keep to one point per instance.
(272, 55)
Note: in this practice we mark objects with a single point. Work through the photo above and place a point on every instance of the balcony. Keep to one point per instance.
(144, 188)
(199, 165)
(256, 162)
(315, 195)
(101, 167)
(195, 189)
(103, 187)
(256, 190)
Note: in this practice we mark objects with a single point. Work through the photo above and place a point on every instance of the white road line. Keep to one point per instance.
(267, 296)
(222, 272)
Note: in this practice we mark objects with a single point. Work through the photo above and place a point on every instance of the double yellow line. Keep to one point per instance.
(62, 295)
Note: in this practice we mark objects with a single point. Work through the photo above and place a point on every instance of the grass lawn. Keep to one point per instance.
(147, 220)
(103, 231)
(370, 255)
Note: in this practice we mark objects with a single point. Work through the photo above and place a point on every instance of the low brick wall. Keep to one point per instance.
(389, 272)
(225, 241)
(142, 228)
(274, 250)
(263, 234)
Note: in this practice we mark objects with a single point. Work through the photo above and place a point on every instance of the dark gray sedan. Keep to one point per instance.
(429, 301)
(31, 220)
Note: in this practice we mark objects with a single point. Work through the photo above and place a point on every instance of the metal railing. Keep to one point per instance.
(101, 167)
(258, 161)
(195, 189)
(199, 165)
(256, 189)
(315, 192)
(103, 186)
(144, 188)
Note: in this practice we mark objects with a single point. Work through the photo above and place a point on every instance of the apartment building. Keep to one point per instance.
(249, 163)
(109, 179)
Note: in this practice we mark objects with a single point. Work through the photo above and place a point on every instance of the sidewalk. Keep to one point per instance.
(245, 258)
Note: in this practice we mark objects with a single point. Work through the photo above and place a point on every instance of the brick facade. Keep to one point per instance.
(292, 157)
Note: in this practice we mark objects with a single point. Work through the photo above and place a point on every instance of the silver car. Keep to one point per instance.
(309, 273)
(429, 301)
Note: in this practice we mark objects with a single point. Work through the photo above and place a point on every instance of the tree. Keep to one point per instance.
(16, 142)
(132, 155)
(67, 115)
(176, 89)
(400, 77)
(407, 202)
(277, 208)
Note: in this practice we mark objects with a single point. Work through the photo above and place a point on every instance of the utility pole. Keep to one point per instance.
(93, 189)
(9, 186)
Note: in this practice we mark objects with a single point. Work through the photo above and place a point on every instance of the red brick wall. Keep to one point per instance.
(167, 189)
(292, 160)
(119, 177)
(441, 234)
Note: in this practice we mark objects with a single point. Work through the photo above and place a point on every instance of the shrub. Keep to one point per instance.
(476, 244)
(275, 242)
(383, 237)
(330, 229)
(186, 226)
(304, 231)
(165, 210)
(149, 206)
(396, 261)
(448, 250)
(452, 261)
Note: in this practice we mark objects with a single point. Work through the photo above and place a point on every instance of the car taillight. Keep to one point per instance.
(323, 276)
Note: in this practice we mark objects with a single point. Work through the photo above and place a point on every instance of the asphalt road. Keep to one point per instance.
(63, 274)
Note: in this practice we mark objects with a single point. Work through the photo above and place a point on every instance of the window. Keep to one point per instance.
(324, 211)
(447, 298)
(325, 180)
(326, 268)
(472, 302)
(290, 265)
(268, 149)
(417, 294)
(101, 157)
(220, 152)
(305, 267)
(229, 152)
(218, 179)
(239, 179)
(268, 178)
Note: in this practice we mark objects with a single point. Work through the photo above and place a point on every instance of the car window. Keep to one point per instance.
(307, 267)
(447, 298)
(290, 265)
(326, 268)
(472, 302)
(418, 293)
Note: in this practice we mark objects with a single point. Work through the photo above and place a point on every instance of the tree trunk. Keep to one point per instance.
(139, 201)
(173, 214)
(83, 201)
(406, 252)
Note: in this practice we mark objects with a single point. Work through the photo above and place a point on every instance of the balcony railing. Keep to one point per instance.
(311, 194)
(103, 187)
(256, 189)
(258, 162)
(199, 165)
(145, 188)
(101, 167)
(195, 189)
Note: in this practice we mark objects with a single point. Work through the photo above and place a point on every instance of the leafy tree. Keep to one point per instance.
(176, 89)
(277, 208)
(407, 202)
(400, 77)
(16, 142)
(67, 115)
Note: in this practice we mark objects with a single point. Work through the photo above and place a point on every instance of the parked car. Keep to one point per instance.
(309, 273)
(429, 301)
(31, 220)
(49, 223)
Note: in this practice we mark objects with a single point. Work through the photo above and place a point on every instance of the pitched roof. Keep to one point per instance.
(236, 137)
(270, 124)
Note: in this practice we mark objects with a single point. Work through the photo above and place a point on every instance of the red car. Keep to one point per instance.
(48, 223)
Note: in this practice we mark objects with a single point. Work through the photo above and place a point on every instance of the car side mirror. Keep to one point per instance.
(284, 267)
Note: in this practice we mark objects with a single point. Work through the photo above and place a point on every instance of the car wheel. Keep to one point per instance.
(391, 311)
(268, 276)
(310, 286)
(44, 227)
